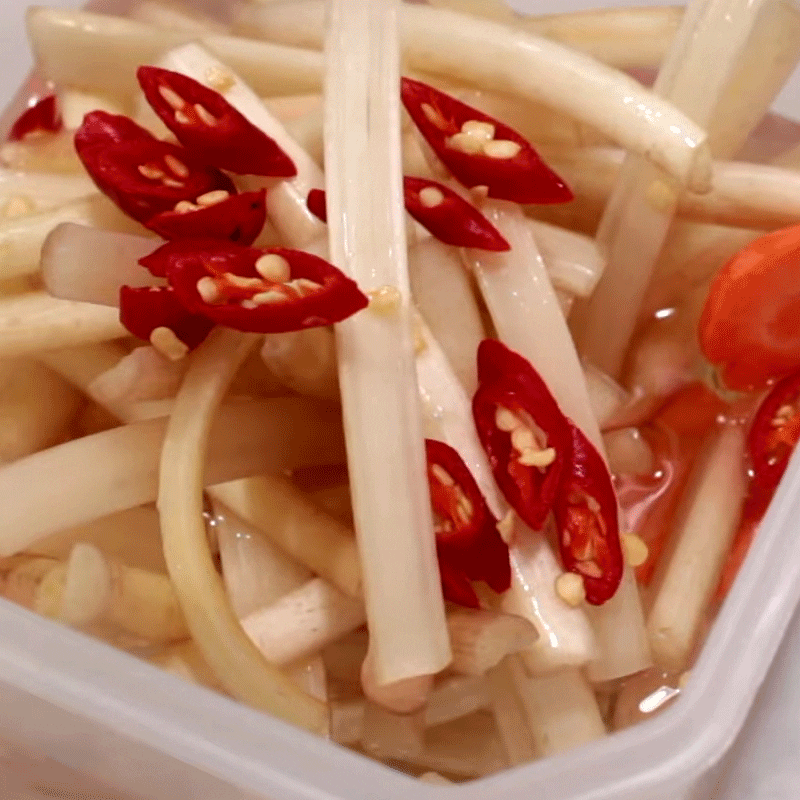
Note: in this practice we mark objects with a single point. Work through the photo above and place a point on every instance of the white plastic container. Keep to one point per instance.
(80, 718)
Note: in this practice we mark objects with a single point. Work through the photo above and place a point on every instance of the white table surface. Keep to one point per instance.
(764, 764)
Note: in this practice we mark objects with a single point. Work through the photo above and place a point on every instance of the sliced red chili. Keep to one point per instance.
(775, 430)
(468, 544)
(480, 150)
(143, 310)
(42, 117)
(315, 202)
(440, 210)
(523, 431)
(148, 177)
(264, 291)
(101, 129)
(238, 218)
(586, 516)
(449, 217)
(206, 123)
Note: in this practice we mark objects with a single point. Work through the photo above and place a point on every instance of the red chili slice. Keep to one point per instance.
(442, 212)
(101, 129)
(775, 431)
(586, 516)
(238, 218)
(148, 177)
(467, 541)
(522, 429)
(42, 117)
(143, 310)
(485, 152)
(264, 291)
(315, 202)
(206, 123)
(449, 217)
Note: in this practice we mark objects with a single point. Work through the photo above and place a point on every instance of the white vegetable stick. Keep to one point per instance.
(36, 406)
(703, 534)
(278, 508)
(481, 639)
(488, 54)
(510, 716)
(111, 471)
(42, 190)
(302, 622)
(443, 294)
(561, 710)
(21, 240)
(173, 16)
(75, 105)
(286, 200)
(255, 571)
(35, 322)
(141, 375)
(565, 637)
(376, 362)
(212, 622)
(97, 52)
(89, 264)
(574, 262)
(306, 130)
(304, 361)
(698, 68)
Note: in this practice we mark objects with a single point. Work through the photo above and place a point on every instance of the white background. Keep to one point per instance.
(765, 762)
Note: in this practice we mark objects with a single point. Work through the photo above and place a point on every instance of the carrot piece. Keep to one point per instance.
(749, 325)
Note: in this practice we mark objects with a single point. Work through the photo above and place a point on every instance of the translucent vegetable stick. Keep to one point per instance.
(75, 105)
(54, 153)
(299, 624)
(743, 195)
(107, 472)
(758, 77)
(132, 536)
(42, 191)
(387, 735)
(703, 535)
(695, 74)
(376, 360)
(627, 38)
(274, 505)
(97, 52)
(510, 716)
(185, 661)
(90, 588)
(444, 297)
(141, 375)
(71, 254)
(255, 571)
(172, 16)
(212, 622)
(304, 361)
(36, 406)
(21, 239)
(561, 710)
(35, 322)
(444, 42)
(286, 200)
